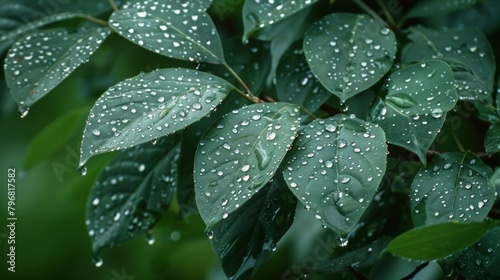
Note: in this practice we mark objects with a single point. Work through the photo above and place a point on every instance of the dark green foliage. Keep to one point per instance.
(315, 105)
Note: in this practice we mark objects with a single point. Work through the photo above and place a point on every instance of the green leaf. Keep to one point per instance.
(37, 63)
(453, 187)
(258, 15)
(335, 167)
(413, 111)
(495, 180)
(359, 258)
(492, 139)
(434, 242)
(132, 192)
(349, 53)
(54, 136)
(429, 8)
(239, 154)
(296, 83)
(466, 50)
(475, 260)
(246, 238)
(149, 106)
(178, 30)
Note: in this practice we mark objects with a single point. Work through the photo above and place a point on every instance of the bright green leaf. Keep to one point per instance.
(466, 50)
(492, 139)
(434, 242)
(349, 53)
(246, 238)
(37, 63)
(178, 30)
(296, 83)
(258, 15)
(429, 8)
(414, 109)
(453, 187)
(335, 168)
(132, 192)
(239, 154)
(54, 136)
(149, 106)
(475, 260)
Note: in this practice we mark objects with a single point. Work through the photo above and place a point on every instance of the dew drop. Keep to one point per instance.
(97, 260)
(210, 234)
(150, 239)
(342, 242)
(96, 132)
(141, 167)
(331, 128)
(224, 215)
(23, 111)
(82, 170)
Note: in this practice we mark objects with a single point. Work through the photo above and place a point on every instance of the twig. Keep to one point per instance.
(94, 20)
(386, 12)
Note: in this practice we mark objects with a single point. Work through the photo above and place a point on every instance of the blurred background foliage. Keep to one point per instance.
(51, 237)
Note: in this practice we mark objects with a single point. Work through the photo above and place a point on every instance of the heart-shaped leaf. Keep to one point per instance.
(149, 106)
(335, 168)
(246, 238)
(349, 53)
(466, 50)
(178, 30)
(132, 192)
(37, 63)
(414, 109)
(239, 154)
(453, 187)
(257, 15)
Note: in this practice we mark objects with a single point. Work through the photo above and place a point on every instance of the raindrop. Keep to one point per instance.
(95, 201)
(82, 170)
(23, 111)
(342, 242)
(270, 136)
(331, 127)
(317, 216)
(345, 180)
(96, 132)
(150, 239)
(141, 167)
(225, 215)
(447, 166)
(210, 234)
(437, 113)
(385, 31)
(97, 260)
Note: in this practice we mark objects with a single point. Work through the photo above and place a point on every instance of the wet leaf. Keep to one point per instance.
(148, 106)
(492, 139)
(349, 53)
(475, 260)
(466, 50)
(296, 83)
(453, 187)
(54, 136)
(434, 242)
(178, 30)
(359, 258)
(247, 237)
(132, 192)
(429, 8)
(414, 109)
(37, 63)
(257, 15)
(335, 168)
(239, 154)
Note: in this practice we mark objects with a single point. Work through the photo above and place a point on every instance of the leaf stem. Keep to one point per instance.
(457, 140)
(113, 4)
(94, 20)
(386, 12)
(369, 11)
(235, 75)
(250, 98)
